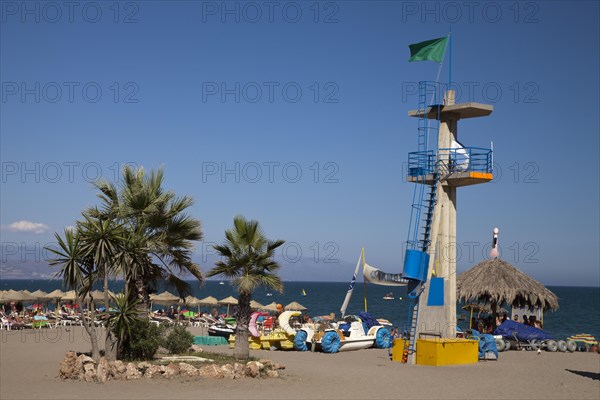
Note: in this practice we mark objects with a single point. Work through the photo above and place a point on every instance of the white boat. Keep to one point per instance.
(221, 283)
(269, 294)
(345, 335)
(389, 296)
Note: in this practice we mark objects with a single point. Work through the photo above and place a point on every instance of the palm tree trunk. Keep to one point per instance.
(90, 328)
(242, 349)
(110, 341)
(138, 289)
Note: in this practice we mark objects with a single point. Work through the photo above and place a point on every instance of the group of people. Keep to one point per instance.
(531, 321)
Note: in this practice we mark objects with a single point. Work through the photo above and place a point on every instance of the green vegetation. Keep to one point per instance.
(140, 233)
(248, 264)
(146, 341)
(179, 340)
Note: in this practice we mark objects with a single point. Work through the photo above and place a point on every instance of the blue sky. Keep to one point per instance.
(296, 115)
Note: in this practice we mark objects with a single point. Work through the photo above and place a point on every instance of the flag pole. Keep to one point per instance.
(450, 58)
(437, 78)
(364, 280)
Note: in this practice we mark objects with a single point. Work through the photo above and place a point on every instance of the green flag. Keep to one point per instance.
(432, 50)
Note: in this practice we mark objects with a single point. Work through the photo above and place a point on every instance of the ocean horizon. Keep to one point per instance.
(577, 311)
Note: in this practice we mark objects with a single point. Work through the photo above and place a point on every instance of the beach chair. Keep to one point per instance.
(4, 323)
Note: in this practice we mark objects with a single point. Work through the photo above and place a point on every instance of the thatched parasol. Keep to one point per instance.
(270, 307)
(209, 301)
(294, 306)
(229, 301)
(13, 295)
(497, 282)
(39, 294)
(55, 294)
(165, 298)
(255, 305)
(69, 296)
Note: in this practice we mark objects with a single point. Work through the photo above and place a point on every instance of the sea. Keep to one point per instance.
(578, 306)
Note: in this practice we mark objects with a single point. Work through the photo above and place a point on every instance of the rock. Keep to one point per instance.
(196, 348)
(103, 370)
(252, 369)
(171, 371)
(228, 371)
(67, 366)
(272, 374)
(162, 350)
(188, 370)
(132, 372)
(143, 365)
(117, 369)
(210, 371)
(154, 370)
(278, 366)
(238, 370)
(90, 373)
(80, 363)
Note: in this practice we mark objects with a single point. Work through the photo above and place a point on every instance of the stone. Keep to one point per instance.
(143, 365)
(132, 372)
(79, 365)
(210, 371)
(67, 366)
(103, 370)
(154, 371)
(88, 367)
(90, 374)
(252, 369)
(272, 374)
(187, 370)
(196, 348)
(278, 366)
(228, 371)
(238, 370)
(117, 369)
(171, 371)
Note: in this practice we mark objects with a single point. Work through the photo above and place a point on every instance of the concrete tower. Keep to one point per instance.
(452, 166)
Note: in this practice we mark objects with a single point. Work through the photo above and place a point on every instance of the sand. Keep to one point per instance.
(29, 364)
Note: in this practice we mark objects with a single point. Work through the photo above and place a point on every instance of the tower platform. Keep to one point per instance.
(456, 179)
(454, 111)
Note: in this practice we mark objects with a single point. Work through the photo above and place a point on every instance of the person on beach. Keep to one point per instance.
(538, 324)
(532, 319)
(516, 318)
(525, 320)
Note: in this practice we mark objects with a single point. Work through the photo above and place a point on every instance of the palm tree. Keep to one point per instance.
(78, 273)
(101, 239)
(249, 264)
(155, 221)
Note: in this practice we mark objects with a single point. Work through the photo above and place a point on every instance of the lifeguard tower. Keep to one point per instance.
(438, 169)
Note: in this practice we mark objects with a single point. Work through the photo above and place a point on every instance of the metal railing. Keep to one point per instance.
(465, 159)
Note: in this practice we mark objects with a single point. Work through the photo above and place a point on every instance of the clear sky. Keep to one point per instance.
(295, 114)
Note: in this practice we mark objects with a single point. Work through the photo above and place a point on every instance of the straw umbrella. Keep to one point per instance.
(294, 306)
(497, 282)
(255, 305)
(55, 294)
(165, 298)
(271, 307)
(208, 301)
(14, 295)
(229, 301)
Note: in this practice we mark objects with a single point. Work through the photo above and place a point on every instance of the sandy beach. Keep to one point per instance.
(29, 362)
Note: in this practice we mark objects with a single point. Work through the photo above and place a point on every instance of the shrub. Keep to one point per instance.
(145, 340)
(179, 340)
